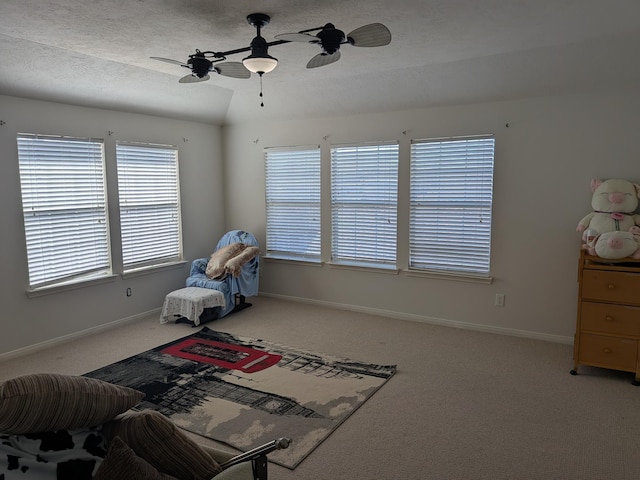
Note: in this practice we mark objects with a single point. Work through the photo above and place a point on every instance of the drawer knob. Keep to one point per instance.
(606, 350)
(609, 318)
(611, 286)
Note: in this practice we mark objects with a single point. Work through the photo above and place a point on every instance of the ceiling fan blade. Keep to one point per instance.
(372, 35)
(297, 37)
(168, 60)
(232, 69)
(193, 79)
(323, 59)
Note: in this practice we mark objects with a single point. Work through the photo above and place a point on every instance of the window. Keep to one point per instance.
(293, 202)
(64, 207)
(450, 205)
(148, 188)
(364, 193)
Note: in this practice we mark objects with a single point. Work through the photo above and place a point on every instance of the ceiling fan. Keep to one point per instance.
(328, 37)
(259, 61)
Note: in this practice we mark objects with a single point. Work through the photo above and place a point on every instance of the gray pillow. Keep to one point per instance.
(43, 402)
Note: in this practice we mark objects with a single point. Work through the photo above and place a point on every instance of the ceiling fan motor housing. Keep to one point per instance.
(200, 65)
(330, 38)
(259, 47)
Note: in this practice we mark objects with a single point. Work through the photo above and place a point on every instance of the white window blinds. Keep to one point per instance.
(364, 195)
(450, 204)
(64, 207)
(148, 188)
(293, 202)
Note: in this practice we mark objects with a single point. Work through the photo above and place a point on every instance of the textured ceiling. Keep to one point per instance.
(97, 53)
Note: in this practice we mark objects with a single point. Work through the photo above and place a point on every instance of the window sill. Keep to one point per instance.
(136, 272)
(73, 285)
(365, 268)
(293, 261)
(457, 277)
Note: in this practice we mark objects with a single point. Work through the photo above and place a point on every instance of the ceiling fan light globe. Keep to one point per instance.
(260, 65)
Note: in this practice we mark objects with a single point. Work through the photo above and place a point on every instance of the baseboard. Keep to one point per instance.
(430, 320)
(73, 336)
(342, 306)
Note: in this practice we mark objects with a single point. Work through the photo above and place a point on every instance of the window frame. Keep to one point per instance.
(157, 209)
(61, 174)
(293, 196)
(373, 207)
(476, 233)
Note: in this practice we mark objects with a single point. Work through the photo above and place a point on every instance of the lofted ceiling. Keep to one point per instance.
(97, 53)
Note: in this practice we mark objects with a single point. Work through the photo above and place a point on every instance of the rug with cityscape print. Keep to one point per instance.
(246, 392)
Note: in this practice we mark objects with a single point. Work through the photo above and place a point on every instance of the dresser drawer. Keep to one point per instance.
(608, 318)
(608, 352)
(609, 286)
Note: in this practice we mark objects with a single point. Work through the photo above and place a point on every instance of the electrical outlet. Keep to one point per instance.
(499, 300)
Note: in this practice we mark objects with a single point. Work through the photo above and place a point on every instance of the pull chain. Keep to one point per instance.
(261, 96)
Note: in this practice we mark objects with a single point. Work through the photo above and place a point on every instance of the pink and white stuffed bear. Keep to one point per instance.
(614, 203)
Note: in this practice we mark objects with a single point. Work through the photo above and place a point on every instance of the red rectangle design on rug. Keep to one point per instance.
(225, 355)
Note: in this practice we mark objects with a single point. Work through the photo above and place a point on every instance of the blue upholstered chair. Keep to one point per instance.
(234, 289)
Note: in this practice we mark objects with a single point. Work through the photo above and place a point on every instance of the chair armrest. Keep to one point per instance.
(261, 451)
(199, 266)
(251, 465)
(243, 471)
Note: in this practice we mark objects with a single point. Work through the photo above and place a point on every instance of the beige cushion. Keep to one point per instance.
(239, 471)
(234, 264)
(153, 437)
(43, 402)
(122, 463)
(218, 455)
(215, 267)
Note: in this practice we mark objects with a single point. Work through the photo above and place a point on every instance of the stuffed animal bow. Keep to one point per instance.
(614, 203)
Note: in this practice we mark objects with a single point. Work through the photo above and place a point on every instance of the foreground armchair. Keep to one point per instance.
(59, 427)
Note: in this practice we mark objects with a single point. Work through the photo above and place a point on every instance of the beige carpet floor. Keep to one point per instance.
(463, 404)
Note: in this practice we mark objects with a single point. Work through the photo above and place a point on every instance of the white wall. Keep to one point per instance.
(544, 161)
(28, 321)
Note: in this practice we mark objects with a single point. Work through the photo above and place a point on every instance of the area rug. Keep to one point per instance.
(245, 392)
